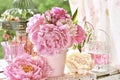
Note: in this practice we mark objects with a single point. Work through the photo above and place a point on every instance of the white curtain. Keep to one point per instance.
(104, 14)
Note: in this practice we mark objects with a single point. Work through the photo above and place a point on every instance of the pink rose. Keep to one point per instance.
(80, 36)
(34, 23)
(51, 39)
(28, 68)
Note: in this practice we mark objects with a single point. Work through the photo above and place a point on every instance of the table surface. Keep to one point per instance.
(111, 74)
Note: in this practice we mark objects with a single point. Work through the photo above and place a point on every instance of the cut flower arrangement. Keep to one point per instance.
(54, 31)
(50, 33)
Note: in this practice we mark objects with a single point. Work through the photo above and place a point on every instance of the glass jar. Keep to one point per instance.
(99, 49)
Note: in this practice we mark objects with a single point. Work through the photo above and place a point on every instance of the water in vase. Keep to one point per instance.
(101, 62)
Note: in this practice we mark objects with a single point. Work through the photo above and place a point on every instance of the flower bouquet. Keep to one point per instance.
(53, 32)
(50, 35)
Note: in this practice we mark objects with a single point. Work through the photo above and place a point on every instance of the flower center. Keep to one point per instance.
(27, 68)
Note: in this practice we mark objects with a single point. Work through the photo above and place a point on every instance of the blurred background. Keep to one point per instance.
(40, 5)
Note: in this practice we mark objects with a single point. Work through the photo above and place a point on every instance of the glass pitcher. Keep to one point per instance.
(99, 49)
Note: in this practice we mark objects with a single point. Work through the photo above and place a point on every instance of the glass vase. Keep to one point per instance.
(12, 50)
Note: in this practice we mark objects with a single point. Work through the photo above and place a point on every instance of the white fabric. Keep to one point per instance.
(3, 64)
(114, 16)
(104, 14)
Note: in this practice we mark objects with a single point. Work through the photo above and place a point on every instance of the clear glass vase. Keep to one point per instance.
(99, 49)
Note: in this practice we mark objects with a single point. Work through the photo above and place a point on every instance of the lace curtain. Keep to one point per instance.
(103, 14)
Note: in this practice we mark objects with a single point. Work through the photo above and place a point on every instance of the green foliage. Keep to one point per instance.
(1, 51)
(5, 5)
(41, 5)
(44, 5)
(74, 17)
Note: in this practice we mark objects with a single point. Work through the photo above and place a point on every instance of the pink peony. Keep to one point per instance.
(59, 13)
(80, 36)
(55, 14)
(34, 23)
(51, 39)
(28, 68)
(68, 23)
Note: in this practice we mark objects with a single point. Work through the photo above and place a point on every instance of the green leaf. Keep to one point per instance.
(79, 47)
(74, 16)
(74, 46)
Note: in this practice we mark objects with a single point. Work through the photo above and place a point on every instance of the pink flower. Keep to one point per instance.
(68, 23)
(34, 23)
(80, 36)
(5, 36)
(59, 13)
(28, 68)
(17, 19)
(51, 39)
